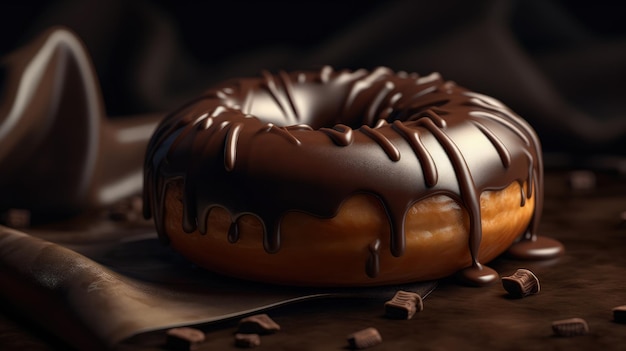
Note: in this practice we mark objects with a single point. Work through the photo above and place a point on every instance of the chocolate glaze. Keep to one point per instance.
(537, 247)
(307, 141)
(59, 153)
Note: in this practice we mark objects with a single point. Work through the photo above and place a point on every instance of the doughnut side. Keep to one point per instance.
(352, 248)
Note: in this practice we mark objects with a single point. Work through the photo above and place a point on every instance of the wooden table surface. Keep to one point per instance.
(587, 282)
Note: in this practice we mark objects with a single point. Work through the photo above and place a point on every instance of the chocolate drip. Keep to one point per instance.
(299, 127)
(341, 134)
(377, 102)
(425, 158)
(390, 149)
(511, 126)
(522, 194)
(282, 131)
(469, 195)
(324, 77)
(497, 144)
(271, 239)
(409, 118)
(233, 232)
(381, 123)
(363, 84)
(373, 262)
(531, 178)
(230, 149)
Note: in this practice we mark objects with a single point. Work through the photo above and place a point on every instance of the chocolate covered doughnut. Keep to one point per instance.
(346, 178)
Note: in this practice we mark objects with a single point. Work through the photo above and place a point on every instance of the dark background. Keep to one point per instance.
(559, 64)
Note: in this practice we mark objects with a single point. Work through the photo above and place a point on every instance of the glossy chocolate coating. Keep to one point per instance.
(307, 141)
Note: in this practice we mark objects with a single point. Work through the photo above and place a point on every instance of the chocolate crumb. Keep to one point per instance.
(247, 340)
(570, 327)
(365, 338)
(257, 324)
(184, 338)
(403, 305)
(619, 314)
(521, 284)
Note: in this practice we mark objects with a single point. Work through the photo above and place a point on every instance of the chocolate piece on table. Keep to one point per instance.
(365, 338)
(247, 340)
(403, 305)
(570, 327)
(184, 338)
(522, 283)
(257, 324)
(619, 314)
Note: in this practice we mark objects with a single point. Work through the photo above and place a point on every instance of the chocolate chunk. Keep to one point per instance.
(257, 324)
(522, 283)
(247, 340)
(364, 338)
(570, 327)
(403, 305)
(184, 338)
(619, 314)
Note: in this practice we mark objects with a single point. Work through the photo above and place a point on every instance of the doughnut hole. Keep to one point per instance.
(335, 251)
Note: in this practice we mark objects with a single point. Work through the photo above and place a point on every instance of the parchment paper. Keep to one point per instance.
(104, 285)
